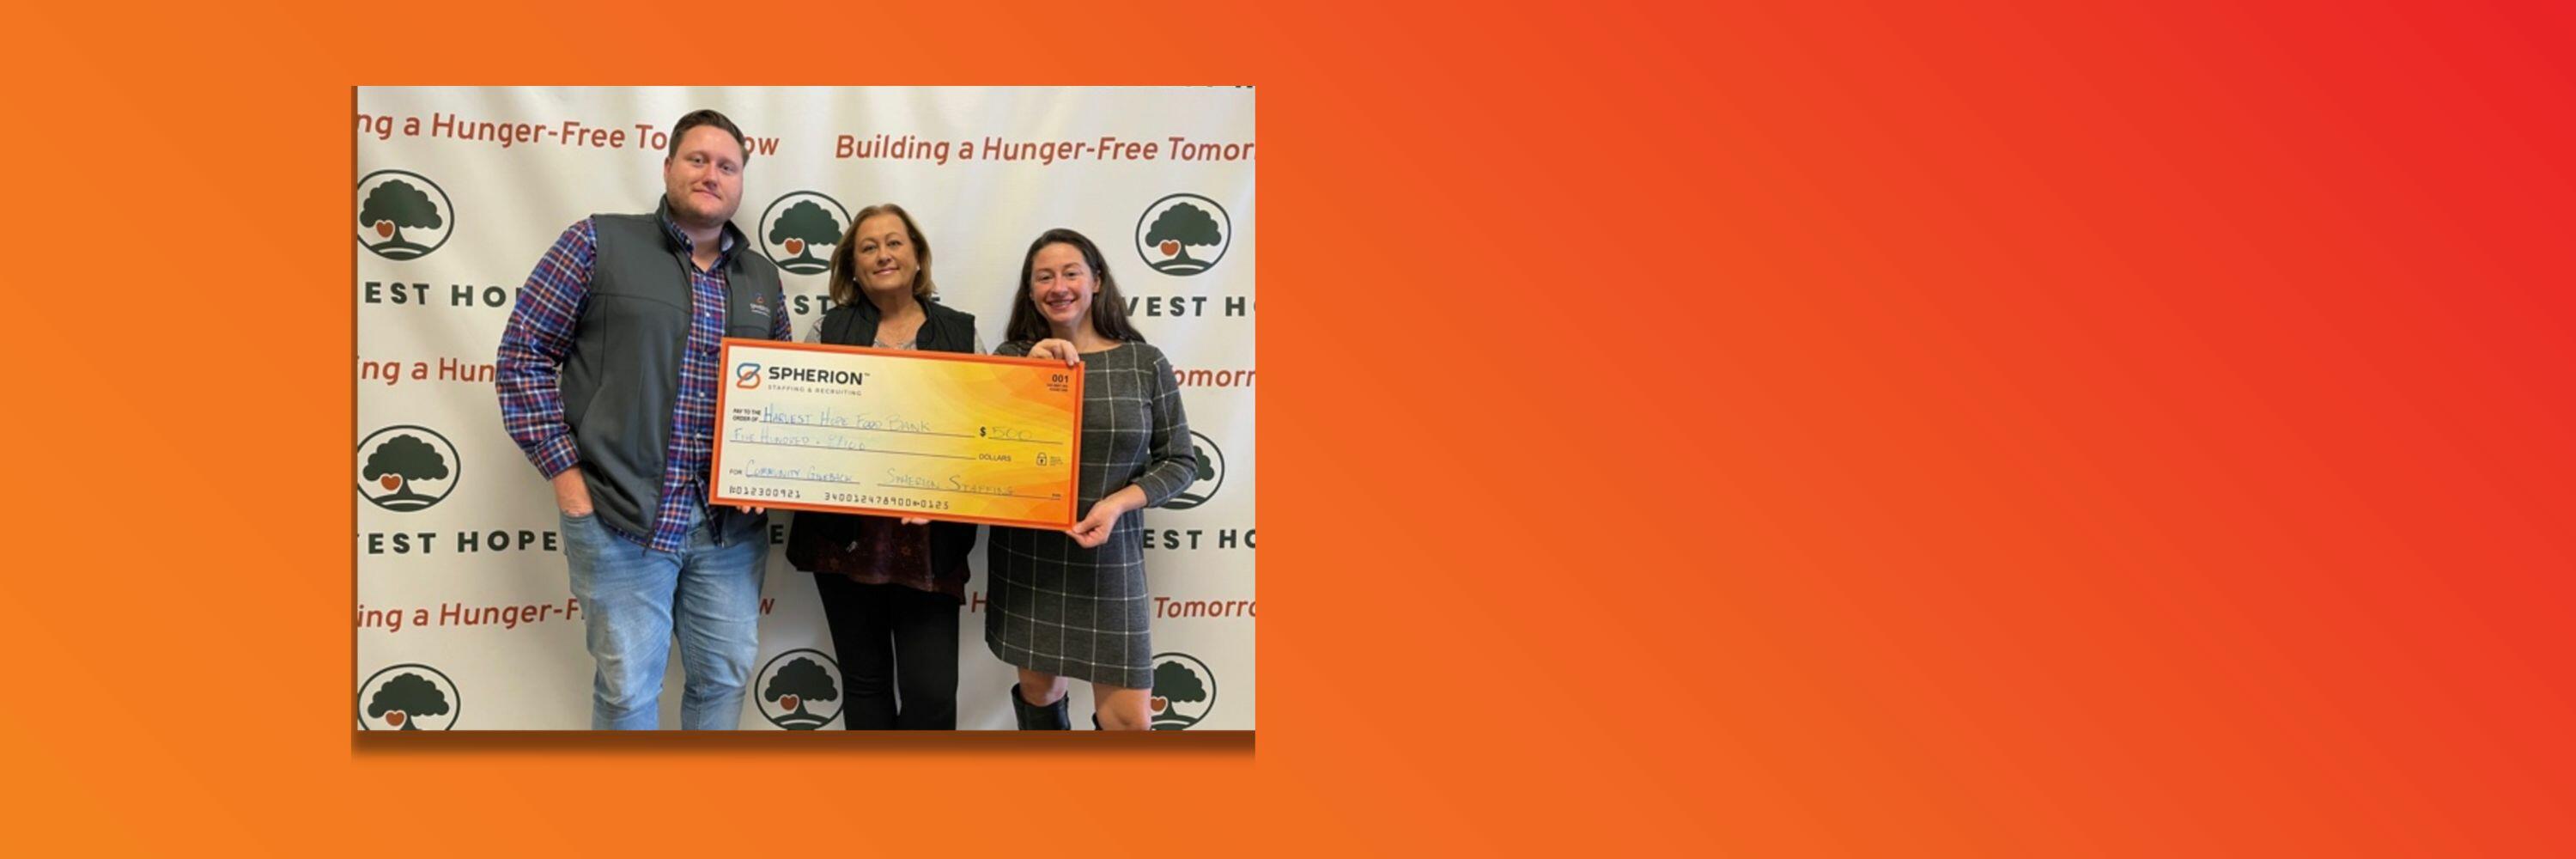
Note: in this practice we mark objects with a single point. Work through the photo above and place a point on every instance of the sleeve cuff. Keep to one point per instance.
(555, 456)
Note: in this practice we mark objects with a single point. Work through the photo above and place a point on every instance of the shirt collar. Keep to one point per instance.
(671, 230)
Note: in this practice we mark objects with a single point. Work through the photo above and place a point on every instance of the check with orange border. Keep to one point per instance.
(940, 435)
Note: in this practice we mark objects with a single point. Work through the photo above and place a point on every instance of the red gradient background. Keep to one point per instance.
(2139, 428)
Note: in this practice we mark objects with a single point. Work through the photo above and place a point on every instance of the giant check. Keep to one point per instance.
(845, 429)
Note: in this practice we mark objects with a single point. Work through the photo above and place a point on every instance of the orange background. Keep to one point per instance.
(2141, 428)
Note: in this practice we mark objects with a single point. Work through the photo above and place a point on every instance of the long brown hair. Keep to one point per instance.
(1108, 310)
(844, 280)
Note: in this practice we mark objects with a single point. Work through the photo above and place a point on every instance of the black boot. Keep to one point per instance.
(1035, 717)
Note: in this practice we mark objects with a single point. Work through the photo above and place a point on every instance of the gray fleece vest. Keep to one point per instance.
(622, 378)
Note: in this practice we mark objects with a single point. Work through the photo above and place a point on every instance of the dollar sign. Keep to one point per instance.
(979, 432)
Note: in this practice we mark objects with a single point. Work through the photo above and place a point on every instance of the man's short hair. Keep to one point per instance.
(707, 117)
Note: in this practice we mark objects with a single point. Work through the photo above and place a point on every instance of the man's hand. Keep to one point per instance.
(572, 496)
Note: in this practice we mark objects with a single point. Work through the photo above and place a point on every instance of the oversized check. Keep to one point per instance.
(846, 429)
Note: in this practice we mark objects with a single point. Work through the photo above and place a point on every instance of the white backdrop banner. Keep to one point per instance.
(465, 619)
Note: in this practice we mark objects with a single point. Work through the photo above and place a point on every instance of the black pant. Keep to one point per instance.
(893, 639)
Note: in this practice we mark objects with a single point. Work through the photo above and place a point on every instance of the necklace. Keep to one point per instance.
(907, 343)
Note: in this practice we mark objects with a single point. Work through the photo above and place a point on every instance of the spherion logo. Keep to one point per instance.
(407, 468)
(746, 375)
(407, 697)
(1211, 474)
(795, 685)
(1183, 234)
(402, 215)
(795, 225)
(1184, 691)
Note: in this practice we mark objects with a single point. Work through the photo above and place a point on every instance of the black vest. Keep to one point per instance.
(621, 380)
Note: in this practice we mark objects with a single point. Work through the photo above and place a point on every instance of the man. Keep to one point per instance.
(607, 375)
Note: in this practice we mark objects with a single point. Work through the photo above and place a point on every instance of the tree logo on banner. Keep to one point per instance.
(407, 697)
(406, 468)
(800, 690)
(1210, 478)
(1184, 691)
(402, 215)
(797, 229)
(1183, 234)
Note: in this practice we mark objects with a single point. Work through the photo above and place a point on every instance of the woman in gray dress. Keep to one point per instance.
(1072, 604)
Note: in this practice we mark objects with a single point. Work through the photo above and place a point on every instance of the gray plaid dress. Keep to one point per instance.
(1056, 607)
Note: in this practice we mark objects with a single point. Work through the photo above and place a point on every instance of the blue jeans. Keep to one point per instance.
(633, 599)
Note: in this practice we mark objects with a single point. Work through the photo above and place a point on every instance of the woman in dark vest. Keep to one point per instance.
(890, 587)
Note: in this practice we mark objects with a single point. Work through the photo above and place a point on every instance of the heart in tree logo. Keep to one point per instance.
(408, 697)
(799, 690)
(798, 231)
(1183, 234)
(1184, 691)
(406, 468)
(402, 215)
